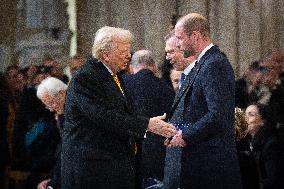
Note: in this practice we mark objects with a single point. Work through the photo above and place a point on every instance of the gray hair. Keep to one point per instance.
(142, 57)
(51, 86)
(104, 38)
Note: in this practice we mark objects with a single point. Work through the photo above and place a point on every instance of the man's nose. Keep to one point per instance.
(168, 57)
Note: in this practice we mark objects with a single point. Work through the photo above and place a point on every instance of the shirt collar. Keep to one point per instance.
(189, 68)
(109, 70)
(204, 51)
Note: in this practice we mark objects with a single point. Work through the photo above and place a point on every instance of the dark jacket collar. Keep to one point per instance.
(192, 76)
(145, 72)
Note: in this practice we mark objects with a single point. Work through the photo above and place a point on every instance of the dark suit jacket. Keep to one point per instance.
(209, 159)
(31, 110)
(4, 113)
(269, 157)
(241, 93)
(99, 123)
(151, 97)
(275, 106)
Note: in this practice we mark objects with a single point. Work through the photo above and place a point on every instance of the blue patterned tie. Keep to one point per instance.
(182, 80)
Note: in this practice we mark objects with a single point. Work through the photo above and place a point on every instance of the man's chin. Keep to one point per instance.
(122, 68)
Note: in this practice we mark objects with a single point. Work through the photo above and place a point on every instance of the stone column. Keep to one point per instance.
(249, 34)
(7, 33)
(157, 21)
(224, 28)
(148, 20)
(42, 30)
(190, 6)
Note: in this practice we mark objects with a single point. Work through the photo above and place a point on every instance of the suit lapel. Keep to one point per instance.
(107, 79)
(190, 80)
(185, 88)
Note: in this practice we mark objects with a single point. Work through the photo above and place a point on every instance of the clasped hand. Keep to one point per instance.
(176, 141)
(158, 126)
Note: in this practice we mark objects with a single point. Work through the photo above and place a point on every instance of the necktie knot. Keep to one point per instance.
(182, 79)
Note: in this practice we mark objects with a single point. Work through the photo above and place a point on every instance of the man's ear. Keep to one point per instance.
(131, 69)
(196, 35)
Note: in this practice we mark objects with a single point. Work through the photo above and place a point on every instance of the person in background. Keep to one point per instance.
(34, 126)
(166, 69)
(274, 95)
(185, 65)
(31, 72)
(11, 73)
(265, 147)
(151, 96)
(4, 146)
(56, 69)
(51, 92)
(175, 78)
(75, 63)
(248, 87)
(248, 166)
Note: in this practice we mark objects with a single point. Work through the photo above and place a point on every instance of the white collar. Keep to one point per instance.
(189, 67)
(204, 51)
(109, 70)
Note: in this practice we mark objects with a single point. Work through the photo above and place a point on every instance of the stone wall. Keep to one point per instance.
(7, 32)
(244, 29)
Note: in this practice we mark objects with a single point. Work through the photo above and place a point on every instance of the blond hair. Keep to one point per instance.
(105, 37)
(240, 124)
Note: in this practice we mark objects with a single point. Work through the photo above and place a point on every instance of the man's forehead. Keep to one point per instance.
(172, 42)
(120, 41)
(45, 96)
(179, 27)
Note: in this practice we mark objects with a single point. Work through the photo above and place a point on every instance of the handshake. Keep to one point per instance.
(158, 126)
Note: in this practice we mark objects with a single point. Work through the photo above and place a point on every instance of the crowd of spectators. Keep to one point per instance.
(30, 137)
(29, 133)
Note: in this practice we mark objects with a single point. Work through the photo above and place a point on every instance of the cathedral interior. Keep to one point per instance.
(244, 29)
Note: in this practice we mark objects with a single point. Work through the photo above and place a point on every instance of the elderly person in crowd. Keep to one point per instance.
(100, 125)
(75, 63)
(151, 97)
(185, 65)
(51, 92)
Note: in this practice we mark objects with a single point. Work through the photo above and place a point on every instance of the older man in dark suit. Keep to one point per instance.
(151, 97)
(100, 124)
(204, 107)
(185, 65)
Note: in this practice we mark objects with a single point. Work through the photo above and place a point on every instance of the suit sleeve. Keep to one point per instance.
(218, 88)
(95, 106)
